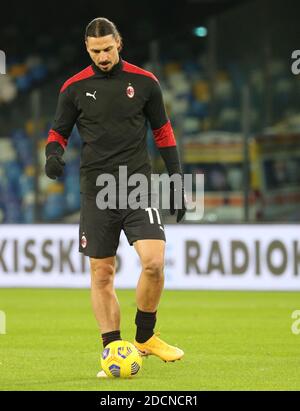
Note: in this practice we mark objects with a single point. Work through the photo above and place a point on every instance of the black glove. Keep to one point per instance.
(177, 201)
(54, 164)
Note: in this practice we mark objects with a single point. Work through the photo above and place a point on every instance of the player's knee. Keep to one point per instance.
(102, 274)
(153, 267)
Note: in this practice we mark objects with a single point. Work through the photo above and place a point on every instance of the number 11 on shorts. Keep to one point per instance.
(150, 214)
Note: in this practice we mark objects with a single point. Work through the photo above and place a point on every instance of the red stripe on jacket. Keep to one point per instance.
(58, 138)
(164, 136)
(131, 68)
(86, 73)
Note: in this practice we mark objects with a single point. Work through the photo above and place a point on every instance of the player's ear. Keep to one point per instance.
(119, 43)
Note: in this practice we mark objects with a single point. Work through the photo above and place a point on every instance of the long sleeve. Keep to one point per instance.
(162, 130)
(64, 120)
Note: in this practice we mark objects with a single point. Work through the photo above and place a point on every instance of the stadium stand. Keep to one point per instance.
(194, 106)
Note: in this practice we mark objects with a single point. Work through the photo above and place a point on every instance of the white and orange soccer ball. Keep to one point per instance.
(121, 359)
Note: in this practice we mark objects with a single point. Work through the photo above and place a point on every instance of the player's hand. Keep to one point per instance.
(177, 201)
(54, 166)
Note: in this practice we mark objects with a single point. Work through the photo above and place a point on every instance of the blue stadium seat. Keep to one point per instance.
(54, 207)
(24, 82)
(38, 72)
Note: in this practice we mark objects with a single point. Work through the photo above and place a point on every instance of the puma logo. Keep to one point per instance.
(91, 95)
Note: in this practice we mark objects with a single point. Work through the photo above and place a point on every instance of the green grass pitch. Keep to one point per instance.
(232, 341)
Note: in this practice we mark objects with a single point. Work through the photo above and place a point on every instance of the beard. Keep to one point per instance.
(105, 66)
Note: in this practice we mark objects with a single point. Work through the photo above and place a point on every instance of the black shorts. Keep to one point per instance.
(100, 230)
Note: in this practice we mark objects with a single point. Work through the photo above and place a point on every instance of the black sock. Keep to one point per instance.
(145, 323)
(110, 337)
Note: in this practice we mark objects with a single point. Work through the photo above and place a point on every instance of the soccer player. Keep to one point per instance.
(111, 102)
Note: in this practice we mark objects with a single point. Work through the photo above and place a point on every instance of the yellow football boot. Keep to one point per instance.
(155, 346)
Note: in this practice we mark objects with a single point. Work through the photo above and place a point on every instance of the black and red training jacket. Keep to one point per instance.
(111, 111)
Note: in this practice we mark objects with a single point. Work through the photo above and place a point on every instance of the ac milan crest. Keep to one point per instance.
(130, 91)
(83, 241)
